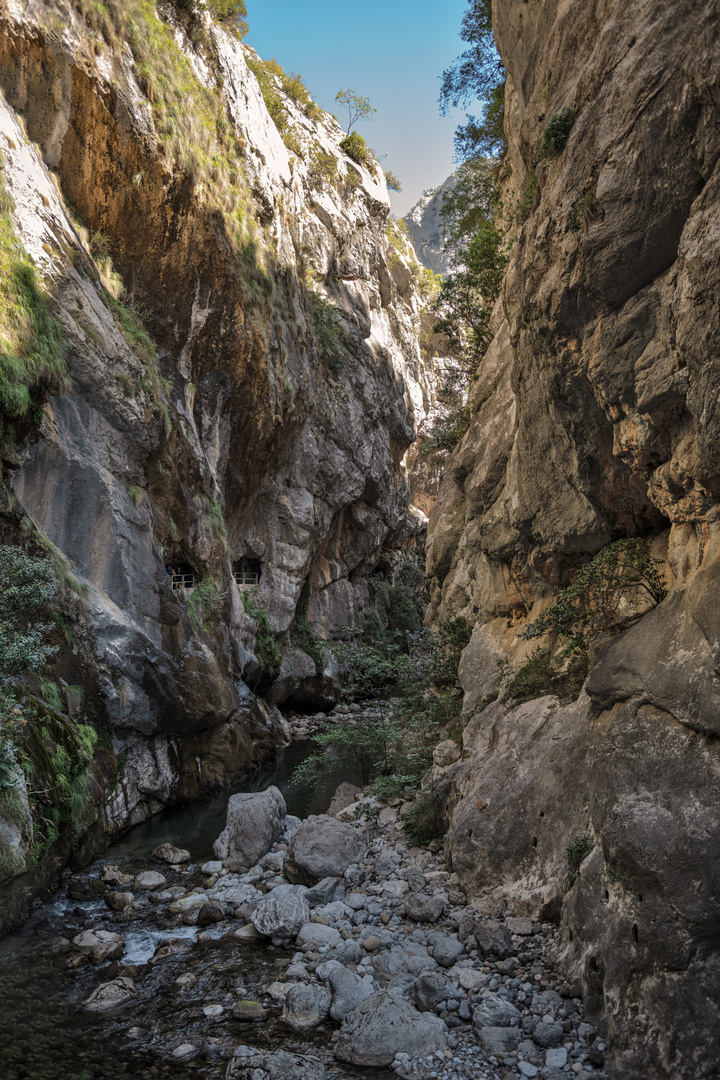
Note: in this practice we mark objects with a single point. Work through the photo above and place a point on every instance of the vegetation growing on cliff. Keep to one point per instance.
(42, 749)
(480, 251)
(624, 574)
(392, 750)
(32, 343)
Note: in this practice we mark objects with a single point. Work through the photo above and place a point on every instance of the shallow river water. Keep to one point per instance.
(46, 1034)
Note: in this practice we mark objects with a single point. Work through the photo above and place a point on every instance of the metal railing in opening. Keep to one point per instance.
(183, 581)
(243, 579)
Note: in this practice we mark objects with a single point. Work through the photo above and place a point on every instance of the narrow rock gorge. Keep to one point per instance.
(219, 373)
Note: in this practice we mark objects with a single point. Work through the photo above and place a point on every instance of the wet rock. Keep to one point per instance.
(188, 902)
(248, 1063)
(493, 939)
(170, 854)
(246, 934)
(348, 988)
(149, 880)
(322, 847)
(281, 916)
(495, 1011)
(113, 875)
(423, 908)
(345, 794)
(111, 995)
(85, 889)
(169, 947)
(254, 823)
(317, 935)
(184, 1051)
(214, 866)
(248, 1010)
(210, 912)
(186, 981)
(306, 1006)
(384, 1025)
(99, 945)
(118, 901)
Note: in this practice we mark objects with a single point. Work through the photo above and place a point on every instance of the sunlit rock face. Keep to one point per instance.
(425, 226)
(251, 443)
(593, 419)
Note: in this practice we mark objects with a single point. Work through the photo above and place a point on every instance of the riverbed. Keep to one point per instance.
(46, 1034)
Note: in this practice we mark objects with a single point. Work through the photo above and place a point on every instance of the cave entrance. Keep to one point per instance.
(247, 572)
(183, 577)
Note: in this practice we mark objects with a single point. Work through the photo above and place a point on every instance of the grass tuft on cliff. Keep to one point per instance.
(32, 343)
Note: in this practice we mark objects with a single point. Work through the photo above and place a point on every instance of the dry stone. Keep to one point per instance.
(254, 823)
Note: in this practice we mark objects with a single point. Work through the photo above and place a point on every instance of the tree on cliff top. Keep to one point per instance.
(358, 108)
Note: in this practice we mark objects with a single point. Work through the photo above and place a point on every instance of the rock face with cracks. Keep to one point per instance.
(252, 433)
(593, 418)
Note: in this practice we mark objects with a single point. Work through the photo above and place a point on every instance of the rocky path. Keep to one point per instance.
(314, 950)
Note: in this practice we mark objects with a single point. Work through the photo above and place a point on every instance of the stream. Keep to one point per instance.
(46, 1034)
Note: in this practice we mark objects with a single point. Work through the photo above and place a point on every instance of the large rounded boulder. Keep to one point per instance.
(384, 1025)
(255, 821)
(322, 847)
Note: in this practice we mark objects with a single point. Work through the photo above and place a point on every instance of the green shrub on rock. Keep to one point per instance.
(356, 148)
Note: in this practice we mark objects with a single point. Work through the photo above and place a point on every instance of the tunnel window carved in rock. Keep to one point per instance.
(183, 577)
(247, 572)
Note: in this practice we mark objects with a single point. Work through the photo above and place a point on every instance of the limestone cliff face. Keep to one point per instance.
(595, 417)
(270, 422)
(425, 226)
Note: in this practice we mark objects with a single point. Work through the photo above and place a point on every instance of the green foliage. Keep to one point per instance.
(53, 752)
(152, 383)
(392, 751)
(530, 198)
(322, 167)
(477, 74)
(576, 852)
(623, 572)
(464, 306)
(358, 108)
(423, 821)
(214, 516)
(356, 148)
(275, 85)
(27, 584)
(204, 605)
(328, 334)
(266, 647)
(583, 208)
(361, 746)
(557, 132)
(301, 634)
(135, 493)
(392, 181)
(231, 14)
(32, 343)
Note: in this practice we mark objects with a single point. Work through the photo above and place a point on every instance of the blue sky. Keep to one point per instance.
(391, 51)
